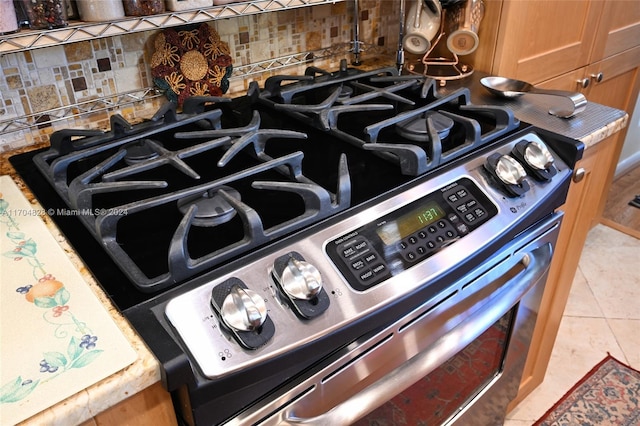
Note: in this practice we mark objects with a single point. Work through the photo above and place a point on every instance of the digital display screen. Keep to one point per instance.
(424, 215)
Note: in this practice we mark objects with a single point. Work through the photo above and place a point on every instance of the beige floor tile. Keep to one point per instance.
(582, 342)
(511, 422)
(626, 333)
(599, 319)
(609, 263)
(582, 302)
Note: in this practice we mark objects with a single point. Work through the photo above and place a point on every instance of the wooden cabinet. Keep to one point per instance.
(538, 40)
(617, 88)
(618, 29)
(613, 81)
(581, 209)
(591, 46)
(150, 407)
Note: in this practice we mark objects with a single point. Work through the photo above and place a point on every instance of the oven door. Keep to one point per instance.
(494, 309)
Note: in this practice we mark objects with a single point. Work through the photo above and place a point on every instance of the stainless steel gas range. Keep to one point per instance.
(301, 254)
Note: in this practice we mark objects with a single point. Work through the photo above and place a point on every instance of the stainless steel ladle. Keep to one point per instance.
(510, 88)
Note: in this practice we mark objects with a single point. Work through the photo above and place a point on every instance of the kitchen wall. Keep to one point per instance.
(43, 83)
(630, 155)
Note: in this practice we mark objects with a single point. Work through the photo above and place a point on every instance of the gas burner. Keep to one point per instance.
(213, 209)
(141, 150)
(345, 93)
(417, 130)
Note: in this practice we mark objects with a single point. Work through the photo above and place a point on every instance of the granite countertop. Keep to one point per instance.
(595, 124)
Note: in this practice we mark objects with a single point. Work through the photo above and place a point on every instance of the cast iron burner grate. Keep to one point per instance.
(142, 190)
(400, 118)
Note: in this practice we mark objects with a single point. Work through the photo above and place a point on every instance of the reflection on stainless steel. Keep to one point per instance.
(243, 309)
(510, 171)
(537, 155)
(568, 105)
(383, 364)
(301, 279)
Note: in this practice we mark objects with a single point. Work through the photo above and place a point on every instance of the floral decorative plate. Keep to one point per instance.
(191, 62)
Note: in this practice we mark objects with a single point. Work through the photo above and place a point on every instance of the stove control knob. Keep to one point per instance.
(300, 279)
(509, 170)
(538, 156)
(243, 309)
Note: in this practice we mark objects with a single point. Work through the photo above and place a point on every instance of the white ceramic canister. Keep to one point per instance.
(8, 20)
(100, 10)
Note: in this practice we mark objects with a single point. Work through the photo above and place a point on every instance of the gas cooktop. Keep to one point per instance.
(177, 195)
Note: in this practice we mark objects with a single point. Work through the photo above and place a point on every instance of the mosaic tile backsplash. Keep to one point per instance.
(81, 84)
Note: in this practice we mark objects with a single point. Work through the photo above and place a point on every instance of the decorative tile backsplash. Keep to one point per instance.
(81, 84)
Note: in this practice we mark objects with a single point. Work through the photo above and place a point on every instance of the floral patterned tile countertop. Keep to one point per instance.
(66, 353)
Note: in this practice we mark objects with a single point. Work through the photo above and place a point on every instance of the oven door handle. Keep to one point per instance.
(529, 269)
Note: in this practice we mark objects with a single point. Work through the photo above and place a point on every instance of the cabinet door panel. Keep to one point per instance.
(620, 82)
(541, 39)
(618, 30)
(582, 211)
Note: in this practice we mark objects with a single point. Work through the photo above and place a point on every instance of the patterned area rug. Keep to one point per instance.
(608, 395)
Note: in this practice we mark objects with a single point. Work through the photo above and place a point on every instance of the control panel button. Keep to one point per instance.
(358, 264)
(380, 268)
(348, 251)
(371, 257)
(366, 275)
(361, 245)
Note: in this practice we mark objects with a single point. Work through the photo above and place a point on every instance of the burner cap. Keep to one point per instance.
(213, 209)
(415, 128)
(345, 93)
(139, 151)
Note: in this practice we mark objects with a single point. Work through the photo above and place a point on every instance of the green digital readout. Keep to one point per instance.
(426, 214)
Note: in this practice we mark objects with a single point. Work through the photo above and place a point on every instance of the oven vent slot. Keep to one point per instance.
(289, 402)
(369, 350)
(427, 312)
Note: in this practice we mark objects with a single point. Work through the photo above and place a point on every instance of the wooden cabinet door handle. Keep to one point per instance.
(579, 174)
(598, 77)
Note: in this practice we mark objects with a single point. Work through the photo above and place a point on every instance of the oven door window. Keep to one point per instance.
(448, 389)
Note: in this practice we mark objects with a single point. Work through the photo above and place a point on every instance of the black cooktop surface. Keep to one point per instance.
(321, 143)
